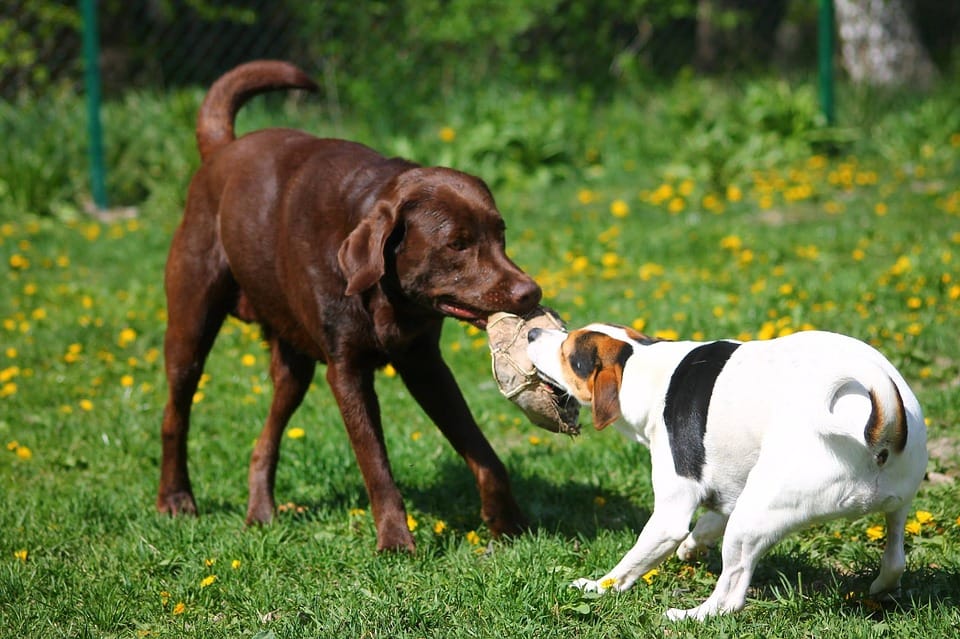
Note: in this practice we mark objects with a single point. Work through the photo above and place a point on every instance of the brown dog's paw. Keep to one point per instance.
(259, 512)
(395, 538)
(507, 522)
(177, 503)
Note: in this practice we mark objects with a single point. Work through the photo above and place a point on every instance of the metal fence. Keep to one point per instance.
(419, 47)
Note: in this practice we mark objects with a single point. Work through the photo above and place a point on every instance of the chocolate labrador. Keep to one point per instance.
(345, 257)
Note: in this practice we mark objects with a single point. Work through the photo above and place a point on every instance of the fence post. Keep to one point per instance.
(91, 55)
(825, 48)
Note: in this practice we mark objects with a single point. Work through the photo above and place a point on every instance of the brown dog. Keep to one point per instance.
(344, 257)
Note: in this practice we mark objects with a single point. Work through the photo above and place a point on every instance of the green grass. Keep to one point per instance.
(622, 215)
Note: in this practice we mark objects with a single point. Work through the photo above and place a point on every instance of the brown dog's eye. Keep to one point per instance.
(459, 243)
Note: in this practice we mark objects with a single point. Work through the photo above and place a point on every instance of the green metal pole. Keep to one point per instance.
(91, 55)
(825, 48)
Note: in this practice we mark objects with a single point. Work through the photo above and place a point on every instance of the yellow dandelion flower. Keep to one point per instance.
(924, 517)
(875, 533)
(296, 433)
(734, 193)
(447, 134)
(208, 581)
(235, 564)
(473, 538)
(21, 554)
(668, 334)
(416, 435)
(913, 527)
(411, 523)
(13, 446)
(914, 303)
(198, 397)
(439, 526)
(676, 205)
(248, 359)
(126, 381)
(24, 453)
(639, 324)
(585, 196)
(19, 262)
(86, 405)
(11, 353)
(534, 440)
(648, 577)
(357, 512)
(619, 208)
(731, 242)
(389, 370)
(608, 583)
(209, 562)
(180, 608)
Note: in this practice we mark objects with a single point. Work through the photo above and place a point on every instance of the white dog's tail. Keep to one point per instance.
(885, 430)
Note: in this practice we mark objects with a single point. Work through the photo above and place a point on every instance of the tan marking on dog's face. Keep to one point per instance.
(592, 366)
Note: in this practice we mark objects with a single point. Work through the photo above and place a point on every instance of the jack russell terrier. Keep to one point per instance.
(767, 436)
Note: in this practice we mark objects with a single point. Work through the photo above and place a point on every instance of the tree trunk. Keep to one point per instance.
(880, 45)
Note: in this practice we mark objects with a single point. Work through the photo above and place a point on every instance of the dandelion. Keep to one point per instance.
(586, 196)
(648, 577)
(676, 205)
(416, 435)
(608, 583)
(209, 562)
(296, 433)
(21, 554)
(127, 337)
(534, 440)
(11, 353)
(19, 262)
(389, 370)
(734, 193)
(85, 405)
(473, 538)
(439, 526)
(913, 527)
(731, 242)
(914, 303)
(235, 564)
(619, 208)
(179, 608)
(875, 533)
(24, 453)
(667, 334)
(447, 134)
(248, 359)
(207, 581)
(411, 523)
(924, 517)
(126, 381)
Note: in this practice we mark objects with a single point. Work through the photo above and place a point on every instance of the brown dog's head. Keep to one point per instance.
(437, 235)
(586, 363)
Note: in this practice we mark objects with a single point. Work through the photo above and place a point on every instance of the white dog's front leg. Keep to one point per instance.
(708, 529)
(667, 527)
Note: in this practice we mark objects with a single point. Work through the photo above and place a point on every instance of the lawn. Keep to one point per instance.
(687, 214)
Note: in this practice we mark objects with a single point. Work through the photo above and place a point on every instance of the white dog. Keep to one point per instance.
(767, 436)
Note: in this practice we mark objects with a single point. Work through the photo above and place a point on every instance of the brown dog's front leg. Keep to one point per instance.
(354, 391)
(433, 386)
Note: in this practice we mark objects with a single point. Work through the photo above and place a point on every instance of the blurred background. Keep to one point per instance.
(391, 70)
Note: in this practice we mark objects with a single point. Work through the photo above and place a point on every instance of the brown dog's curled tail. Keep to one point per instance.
(233, 89)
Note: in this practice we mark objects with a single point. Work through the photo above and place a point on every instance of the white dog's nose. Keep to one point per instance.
(533, 334)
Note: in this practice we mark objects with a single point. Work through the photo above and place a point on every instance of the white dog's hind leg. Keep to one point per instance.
(708, 529)
(894, 561)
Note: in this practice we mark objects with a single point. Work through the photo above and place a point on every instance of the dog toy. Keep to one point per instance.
(544, 405)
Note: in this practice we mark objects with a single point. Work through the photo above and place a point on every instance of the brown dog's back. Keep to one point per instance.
(232, 90)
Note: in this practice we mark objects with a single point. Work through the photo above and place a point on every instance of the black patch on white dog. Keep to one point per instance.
(688, 401)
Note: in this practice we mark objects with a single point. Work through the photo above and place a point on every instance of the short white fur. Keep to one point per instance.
(784, 447)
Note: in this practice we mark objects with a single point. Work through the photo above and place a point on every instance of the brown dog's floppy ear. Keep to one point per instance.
(361, 255)
(606, 396)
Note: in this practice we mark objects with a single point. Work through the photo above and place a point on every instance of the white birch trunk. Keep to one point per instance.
(880, 45)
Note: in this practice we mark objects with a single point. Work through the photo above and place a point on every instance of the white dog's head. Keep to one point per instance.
(586, 363)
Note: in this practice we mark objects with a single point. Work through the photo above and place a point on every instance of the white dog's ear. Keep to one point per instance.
(606, 396)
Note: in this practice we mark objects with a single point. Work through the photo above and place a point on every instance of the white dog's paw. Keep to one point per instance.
(689, 551)
(599, 586)
(698, 613)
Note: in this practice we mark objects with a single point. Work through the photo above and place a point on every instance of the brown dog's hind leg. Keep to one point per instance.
(292, 373)
(197, 303)
(433, 386)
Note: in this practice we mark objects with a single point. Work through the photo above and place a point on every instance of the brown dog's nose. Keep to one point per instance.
(526, 294)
